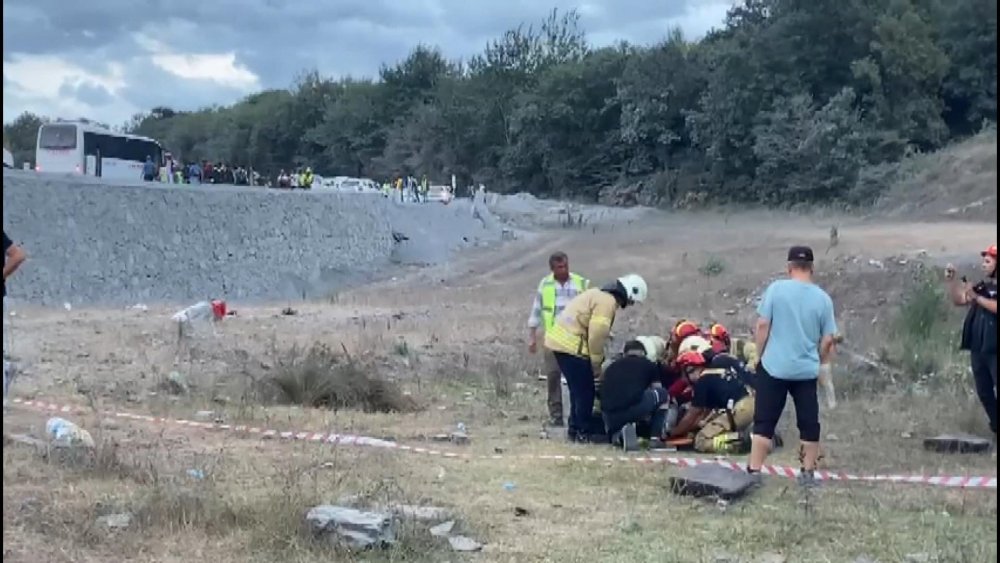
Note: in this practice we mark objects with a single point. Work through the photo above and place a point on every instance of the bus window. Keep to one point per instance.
(57, 137)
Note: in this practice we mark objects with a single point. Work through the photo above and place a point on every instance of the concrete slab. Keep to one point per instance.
(712, 480)
(958, 443)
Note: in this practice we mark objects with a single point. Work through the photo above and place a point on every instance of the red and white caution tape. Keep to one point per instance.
(951, 481)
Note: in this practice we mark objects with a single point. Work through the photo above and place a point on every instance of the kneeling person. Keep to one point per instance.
(721, 409)
(632, 394)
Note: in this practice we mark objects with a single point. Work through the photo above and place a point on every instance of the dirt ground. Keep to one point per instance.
(453, 337)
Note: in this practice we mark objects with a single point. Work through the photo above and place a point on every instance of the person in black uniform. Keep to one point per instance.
(979, 332)
(631, 397)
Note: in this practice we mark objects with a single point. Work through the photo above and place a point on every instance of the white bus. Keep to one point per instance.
(75, 147)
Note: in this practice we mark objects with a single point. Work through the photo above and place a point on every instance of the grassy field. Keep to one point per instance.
(450, 341)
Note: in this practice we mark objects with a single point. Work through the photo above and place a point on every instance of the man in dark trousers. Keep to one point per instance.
(795, 334)
(979, 332)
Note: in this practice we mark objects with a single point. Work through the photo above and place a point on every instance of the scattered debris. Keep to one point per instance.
(906, 435)
(118, 521)
(459, 438)
(68, 306)
(204, 415)
(62, 432)
(177, 383)
(518, 511)
(865, 559)
(441, 438)
(196, 474)
(770, 558)
(509, 486)
(918, 558)
(110, 424)
(711, 480)
(419, 513)
(443, 529)
(957, 443)
(289, 312)
(464, 544)
(498, 450)
(352, 528)
(523, 418)
(141, 307)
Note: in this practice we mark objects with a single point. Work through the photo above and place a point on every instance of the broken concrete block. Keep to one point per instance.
(463, 543)
(419, 513)
(115, 521)
(443, 529)
(352, 528)
(712, 480)
(957, 443)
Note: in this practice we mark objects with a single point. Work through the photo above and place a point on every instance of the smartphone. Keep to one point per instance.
(965, 279)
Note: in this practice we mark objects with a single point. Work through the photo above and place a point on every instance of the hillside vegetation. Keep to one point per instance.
(958, 182)
(787, 103)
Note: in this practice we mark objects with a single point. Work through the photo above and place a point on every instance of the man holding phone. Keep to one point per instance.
(979, 331)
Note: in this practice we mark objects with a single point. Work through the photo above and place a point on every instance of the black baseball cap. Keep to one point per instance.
(800, 254)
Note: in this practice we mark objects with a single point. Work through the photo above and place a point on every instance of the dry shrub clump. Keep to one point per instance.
(321, 377)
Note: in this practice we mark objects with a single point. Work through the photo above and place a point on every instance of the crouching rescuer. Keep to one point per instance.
(577, 339)
(722, 407)
(632, 394)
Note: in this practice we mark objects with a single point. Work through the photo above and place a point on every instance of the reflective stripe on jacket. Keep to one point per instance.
(583, 327)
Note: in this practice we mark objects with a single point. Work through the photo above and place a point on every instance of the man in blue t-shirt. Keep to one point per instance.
(795, 334)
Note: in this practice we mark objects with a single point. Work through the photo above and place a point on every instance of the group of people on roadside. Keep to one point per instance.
(298, 179)
(176, 172)
(702, 388)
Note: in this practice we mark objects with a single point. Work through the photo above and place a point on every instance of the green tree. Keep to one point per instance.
(22, 137)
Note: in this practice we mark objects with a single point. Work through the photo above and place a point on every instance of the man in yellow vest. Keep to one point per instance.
(306, 181)
(554, 292)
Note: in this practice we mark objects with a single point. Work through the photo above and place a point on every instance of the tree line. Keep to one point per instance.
(790, 101)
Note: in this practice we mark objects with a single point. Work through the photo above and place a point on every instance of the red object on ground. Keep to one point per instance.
(218, 309)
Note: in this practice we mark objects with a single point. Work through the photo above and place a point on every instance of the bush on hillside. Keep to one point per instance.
(322, 377)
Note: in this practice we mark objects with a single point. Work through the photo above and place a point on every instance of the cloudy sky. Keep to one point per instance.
(108, 59)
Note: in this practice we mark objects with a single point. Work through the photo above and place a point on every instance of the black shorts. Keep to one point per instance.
(772, 395)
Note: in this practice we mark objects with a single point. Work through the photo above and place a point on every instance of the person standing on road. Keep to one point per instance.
(577, 339)
(554, 292)
(795, 335)
(979, 332)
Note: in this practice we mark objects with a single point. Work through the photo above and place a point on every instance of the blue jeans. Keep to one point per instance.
(580, 380)
(647, 409)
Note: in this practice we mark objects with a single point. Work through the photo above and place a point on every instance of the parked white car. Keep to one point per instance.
(8, 159)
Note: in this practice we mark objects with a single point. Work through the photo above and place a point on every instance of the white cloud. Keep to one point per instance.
(221, 68)
(38, 83)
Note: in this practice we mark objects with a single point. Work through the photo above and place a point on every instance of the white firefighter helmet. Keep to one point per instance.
(635, 287)
(694, 343)
(654, 346)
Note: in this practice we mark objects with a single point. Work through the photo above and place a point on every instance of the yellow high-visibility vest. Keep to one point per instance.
(547, 288)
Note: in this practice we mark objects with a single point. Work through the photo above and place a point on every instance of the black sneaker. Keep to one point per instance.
(807, 479)
(755, 477)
